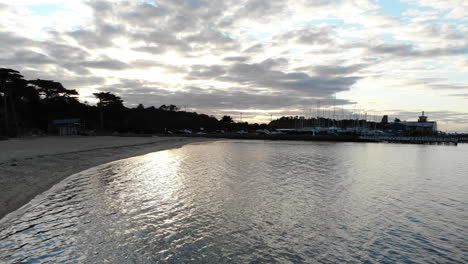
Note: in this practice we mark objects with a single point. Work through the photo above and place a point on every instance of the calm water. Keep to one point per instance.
(254, 202)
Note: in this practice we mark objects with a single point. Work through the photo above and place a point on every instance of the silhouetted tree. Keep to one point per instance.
(56, 99)
(27, 104)
(8, 79)
(109, 101)
(51, 89)
(32, 103)
(173, 108)
(227, 119)
(169, 108)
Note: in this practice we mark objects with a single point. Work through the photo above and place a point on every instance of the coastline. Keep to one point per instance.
(28, 167)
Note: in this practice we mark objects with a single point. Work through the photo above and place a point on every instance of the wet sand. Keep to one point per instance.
(31, 166)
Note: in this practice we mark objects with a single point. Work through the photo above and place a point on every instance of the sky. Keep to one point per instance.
(261, 58)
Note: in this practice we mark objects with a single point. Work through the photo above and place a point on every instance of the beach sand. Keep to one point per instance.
(31, 166)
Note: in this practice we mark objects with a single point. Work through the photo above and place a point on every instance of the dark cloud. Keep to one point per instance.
(27, 57)
(90, 39)
(101, 6)
(85, 67)
(9, 41)
(257, 48)
(156, 49)
(105, 63)
(262, 9)
(182, 26)
(310, 35)
(448, 32)
(193, 5)
(105, 28)
(236, 58)
(192, 29)
(398, 51)
(144, 64)
(76, 68)
(143, 14)
(206, 72)
(163, 39)
(64, 52)
(213, 98)
(263, 75)
(69, 81)
(325, 70)
(266, 74)
(21, 52)
(210, 36)
(409, 50)
(67, 56)
(273, 63)
(394, 49)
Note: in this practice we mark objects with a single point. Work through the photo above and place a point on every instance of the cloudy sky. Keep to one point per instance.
(260, 57)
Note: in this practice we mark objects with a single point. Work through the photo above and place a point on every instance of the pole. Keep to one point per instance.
(101, 114)
(318, 114)
(5, 107)
(13, 111)
(334, 105)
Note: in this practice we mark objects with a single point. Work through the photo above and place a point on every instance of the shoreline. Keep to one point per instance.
(29, 167)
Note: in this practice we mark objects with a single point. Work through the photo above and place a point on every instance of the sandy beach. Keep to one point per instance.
(31, 166)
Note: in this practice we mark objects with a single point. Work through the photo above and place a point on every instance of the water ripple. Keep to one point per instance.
(253, 202)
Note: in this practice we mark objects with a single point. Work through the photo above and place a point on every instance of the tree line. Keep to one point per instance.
(31, 106)
(297, 122)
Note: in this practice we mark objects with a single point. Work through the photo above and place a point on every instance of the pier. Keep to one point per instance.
(412, 140)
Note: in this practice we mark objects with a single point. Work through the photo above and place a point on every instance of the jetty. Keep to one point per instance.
(411, 140)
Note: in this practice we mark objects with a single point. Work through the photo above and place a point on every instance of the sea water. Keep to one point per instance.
(253, 202)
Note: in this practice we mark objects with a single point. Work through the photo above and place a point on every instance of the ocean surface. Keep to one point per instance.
(253, 202)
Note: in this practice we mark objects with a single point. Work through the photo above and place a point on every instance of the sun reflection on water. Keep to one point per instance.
(243, 202)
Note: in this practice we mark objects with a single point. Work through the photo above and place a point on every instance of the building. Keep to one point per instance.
(422, 127)
(67, 127)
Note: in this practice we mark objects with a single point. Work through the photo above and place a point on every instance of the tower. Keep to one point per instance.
(422, 118)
